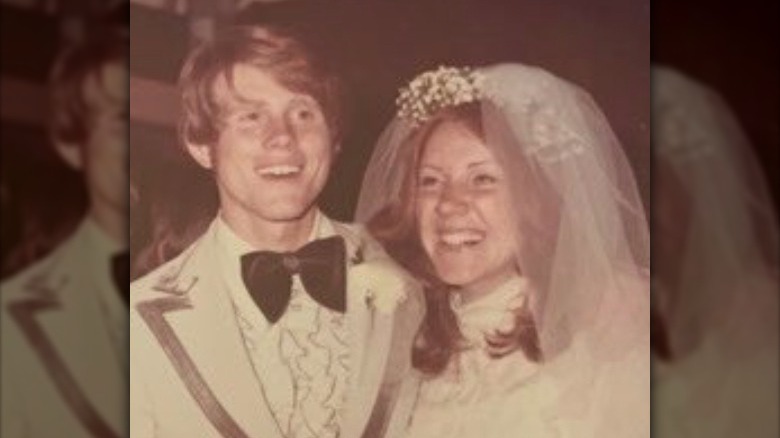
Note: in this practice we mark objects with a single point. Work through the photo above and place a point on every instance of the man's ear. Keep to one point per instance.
(201, 153)
(71, 153)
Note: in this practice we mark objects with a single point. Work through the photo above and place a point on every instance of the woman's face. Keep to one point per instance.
(463, 210)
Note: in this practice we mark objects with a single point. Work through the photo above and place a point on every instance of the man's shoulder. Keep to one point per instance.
(358, 237)
(153, 284)
(34, 276)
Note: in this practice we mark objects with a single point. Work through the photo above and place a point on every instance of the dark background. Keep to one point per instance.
(42, 199)
(732, 48)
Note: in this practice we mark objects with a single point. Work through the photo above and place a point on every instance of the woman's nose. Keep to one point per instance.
(453, 201)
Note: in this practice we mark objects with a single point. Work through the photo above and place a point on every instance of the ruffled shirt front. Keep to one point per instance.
(302, 360)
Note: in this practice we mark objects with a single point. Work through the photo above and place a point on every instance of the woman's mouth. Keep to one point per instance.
(457, 239)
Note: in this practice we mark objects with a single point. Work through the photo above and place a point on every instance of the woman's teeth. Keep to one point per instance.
(468, 238)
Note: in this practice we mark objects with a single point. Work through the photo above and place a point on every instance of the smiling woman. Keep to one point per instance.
(505, 191)
(464, 206)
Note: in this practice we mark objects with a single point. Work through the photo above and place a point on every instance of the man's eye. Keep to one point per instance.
(305, 114)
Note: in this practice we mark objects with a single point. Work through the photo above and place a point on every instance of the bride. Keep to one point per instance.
(504, 190)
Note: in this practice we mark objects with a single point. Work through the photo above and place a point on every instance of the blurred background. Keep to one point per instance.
(42, 198)
(63, 318)
(714, 218)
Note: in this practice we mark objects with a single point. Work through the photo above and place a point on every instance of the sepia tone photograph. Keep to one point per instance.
(376, 219)
(411, 219)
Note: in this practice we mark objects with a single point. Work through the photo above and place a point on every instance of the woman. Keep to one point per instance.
(715, 287)
(505, 191)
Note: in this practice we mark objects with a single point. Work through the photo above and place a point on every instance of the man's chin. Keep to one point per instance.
(291, 213)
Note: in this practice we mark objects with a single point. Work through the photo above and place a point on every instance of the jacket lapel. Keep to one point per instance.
(195, 324)
(370, 334)
(63, 324)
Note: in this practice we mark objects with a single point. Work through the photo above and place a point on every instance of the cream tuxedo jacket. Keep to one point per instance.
(191, 375)
(64, 360)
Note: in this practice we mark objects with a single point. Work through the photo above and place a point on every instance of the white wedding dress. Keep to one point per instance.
(481, 397)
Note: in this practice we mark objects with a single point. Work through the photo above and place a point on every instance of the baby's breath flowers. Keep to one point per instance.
(436, 89)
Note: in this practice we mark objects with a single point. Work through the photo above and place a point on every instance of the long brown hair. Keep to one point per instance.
(440, 338)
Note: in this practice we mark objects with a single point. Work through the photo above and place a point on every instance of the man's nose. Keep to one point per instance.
(281, 133)
(454, 200)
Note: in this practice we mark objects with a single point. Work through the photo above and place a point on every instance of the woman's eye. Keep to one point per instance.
(428, 181)
(484, 179)
(251, 116)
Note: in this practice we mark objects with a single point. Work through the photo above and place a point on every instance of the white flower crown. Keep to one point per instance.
(433, 90)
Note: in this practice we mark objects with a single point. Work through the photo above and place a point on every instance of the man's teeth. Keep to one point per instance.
(461, 238)
(281, 170)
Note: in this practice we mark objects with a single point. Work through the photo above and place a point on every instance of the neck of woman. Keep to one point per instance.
(486, 286)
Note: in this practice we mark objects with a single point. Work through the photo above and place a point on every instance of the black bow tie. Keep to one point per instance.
(120, 270)
(320, 264)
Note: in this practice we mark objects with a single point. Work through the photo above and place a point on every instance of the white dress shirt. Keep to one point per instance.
(301, 361)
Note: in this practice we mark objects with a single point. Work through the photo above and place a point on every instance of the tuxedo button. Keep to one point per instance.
(291, 263)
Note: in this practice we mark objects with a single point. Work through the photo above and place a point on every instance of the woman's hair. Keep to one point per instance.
(440, 338)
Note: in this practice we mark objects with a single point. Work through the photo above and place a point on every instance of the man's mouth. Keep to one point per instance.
(280, 171)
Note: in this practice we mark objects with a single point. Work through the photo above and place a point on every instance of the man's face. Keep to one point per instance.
(104, 155)
(274, 150)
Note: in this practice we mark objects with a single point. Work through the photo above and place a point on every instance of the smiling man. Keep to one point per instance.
(277, 321)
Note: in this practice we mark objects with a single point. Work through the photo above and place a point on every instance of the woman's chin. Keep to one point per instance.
(457, 276)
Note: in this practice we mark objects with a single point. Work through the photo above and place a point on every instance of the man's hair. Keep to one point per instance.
(278, 51)
(77, 63)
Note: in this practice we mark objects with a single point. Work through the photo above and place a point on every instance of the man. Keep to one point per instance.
(64, 320)
(277, 322)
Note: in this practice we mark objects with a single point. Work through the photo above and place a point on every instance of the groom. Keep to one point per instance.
(277, 322)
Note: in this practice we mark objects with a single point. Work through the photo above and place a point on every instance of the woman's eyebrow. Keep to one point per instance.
(430, 166)
(478, 163)
(469, 166)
